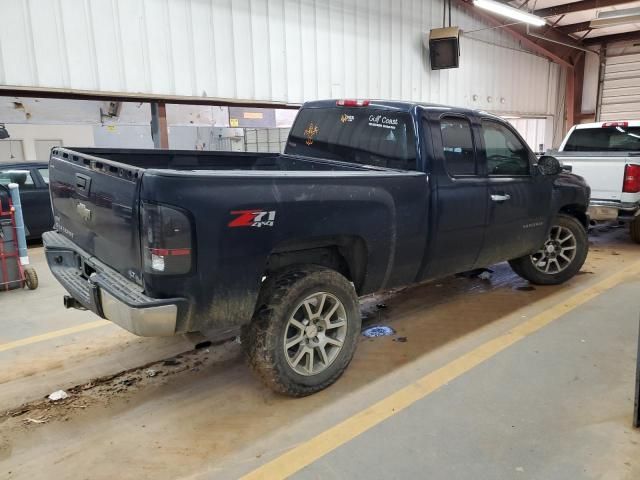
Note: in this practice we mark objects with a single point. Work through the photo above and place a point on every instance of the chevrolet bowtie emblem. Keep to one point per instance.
(84, 212)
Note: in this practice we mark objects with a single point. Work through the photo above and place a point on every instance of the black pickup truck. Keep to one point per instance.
(278, 247)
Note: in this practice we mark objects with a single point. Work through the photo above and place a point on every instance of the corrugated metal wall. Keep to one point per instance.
(275, 50)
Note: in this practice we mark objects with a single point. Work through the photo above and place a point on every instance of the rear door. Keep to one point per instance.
(518, 200)
(95, 205)
(460, 199)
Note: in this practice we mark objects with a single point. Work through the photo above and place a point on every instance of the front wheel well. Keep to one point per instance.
(578, 212)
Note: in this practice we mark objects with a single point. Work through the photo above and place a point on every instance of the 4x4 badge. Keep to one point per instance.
(253, 218)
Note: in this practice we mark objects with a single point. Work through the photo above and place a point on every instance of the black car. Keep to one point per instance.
(33, 180)
(367, 196)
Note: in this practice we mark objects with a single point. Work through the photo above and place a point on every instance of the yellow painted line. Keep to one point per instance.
(51, 335)
(308, 452)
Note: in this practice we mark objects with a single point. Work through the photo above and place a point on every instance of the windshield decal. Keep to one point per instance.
(381, 121)
(344, 118)
(310, 132)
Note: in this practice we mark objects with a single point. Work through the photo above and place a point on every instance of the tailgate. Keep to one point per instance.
(95, 205)
(603, 174)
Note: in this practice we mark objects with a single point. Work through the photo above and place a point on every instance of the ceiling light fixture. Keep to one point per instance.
(510, 12)
(616, 17)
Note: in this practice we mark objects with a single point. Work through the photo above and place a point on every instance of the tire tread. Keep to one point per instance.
(634, 229)
(524, 268)
(260, 335)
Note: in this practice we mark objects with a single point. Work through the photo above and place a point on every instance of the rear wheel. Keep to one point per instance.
(560, 257)
(305, 330)
(634, 228)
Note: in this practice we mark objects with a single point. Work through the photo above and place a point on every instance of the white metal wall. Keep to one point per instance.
(536, 132)
(270, 50)
(621, 84)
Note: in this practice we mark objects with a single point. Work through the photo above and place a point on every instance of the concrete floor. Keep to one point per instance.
(556, 404)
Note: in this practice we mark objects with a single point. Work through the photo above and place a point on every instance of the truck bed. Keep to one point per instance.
(98, 196)
(604, 171)
(209, 160)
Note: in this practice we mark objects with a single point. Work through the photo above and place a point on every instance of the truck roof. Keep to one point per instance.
(399, 105)
(630, 123)
(27, 164)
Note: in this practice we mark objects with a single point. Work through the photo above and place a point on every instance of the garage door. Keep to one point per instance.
(621, 88)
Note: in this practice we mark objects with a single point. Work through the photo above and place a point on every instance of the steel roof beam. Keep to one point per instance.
(618, 37)
(574, 27)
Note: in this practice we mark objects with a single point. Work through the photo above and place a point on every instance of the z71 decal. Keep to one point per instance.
(253, 218)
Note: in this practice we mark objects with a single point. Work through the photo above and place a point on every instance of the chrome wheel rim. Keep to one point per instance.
(315, 333)
(557, 253)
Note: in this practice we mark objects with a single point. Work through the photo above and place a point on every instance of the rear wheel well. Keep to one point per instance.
(345, 254)
(577, 212)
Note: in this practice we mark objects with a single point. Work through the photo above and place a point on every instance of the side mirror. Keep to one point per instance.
(3, 132)
(549, 165)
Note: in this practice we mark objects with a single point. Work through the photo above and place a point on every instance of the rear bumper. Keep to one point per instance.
(107, 293)
(608, 210)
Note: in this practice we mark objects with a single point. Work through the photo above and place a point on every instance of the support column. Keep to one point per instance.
(570, 99)
(578, 82)
(159, 129)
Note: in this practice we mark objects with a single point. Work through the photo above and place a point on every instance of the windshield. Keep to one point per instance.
(614, 139)
(365, 136)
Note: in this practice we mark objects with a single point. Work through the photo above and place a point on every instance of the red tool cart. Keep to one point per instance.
(12, 273)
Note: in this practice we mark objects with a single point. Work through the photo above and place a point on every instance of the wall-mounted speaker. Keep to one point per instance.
(444, 48)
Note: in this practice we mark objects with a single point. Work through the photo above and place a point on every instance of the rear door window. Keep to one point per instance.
(457, 144)
(381, 138)
(610, 139)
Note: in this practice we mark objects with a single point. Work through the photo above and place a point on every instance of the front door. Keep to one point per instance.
(519, 198)
(459, 205)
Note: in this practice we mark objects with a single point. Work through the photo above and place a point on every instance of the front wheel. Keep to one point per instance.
(305, 330)
(560, 257)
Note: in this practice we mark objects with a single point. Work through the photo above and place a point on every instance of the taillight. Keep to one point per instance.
(352, 103)
(166, 240)
(615, 124)
(631, 182)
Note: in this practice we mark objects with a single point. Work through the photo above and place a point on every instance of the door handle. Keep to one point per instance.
(500, 198)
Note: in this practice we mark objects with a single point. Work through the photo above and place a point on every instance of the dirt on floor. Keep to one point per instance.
(102, 391)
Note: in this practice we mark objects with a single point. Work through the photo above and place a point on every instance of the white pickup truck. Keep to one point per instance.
(607, 155)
